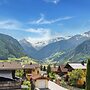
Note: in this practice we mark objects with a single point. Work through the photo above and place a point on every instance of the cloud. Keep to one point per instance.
(52, 1)
(10, 25)
(42, 34)
(42, 20)
(40, 31)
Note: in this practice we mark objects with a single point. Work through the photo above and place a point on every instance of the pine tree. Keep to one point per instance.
(41, 67)
(48, 69)
(44, 69)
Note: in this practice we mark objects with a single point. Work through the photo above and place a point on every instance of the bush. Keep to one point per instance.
(52, 76)
(77, 78)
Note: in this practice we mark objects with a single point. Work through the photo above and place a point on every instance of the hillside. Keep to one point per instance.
(82, 51)
(9, 47)
(28, 48)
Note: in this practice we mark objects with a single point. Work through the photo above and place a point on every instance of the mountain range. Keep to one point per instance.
(58, 49)
(10, 47)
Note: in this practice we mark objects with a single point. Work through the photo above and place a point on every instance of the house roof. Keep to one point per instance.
(77, 65)
(36, 77)
(54, 69)
(10, 65)
(63, 69)
(31, 66)
(16, 65)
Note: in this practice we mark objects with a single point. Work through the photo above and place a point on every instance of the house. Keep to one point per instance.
(63, 70)
(60, 70)
(75, 65)
(8, 80)
(39, 81)
(31, 70)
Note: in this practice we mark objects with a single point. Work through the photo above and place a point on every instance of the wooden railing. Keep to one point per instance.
(10, 85)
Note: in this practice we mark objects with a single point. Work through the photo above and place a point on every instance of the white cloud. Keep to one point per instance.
(10, 25)
(42, 20)
(42, 34)
(38, 30)
(52, 1)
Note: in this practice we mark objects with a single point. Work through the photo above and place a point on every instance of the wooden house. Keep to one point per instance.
(60, 70)
(8, 80)
(75, 65)
(31, 70)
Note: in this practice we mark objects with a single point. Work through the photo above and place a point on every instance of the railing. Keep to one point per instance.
(10, 85)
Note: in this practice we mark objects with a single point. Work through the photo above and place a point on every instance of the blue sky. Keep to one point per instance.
(44, 19)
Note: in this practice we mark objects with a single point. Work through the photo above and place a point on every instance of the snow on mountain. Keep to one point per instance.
(40, 44)
(87, 34)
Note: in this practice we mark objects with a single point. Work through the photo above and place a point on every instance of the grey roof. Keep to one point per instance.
(10, 65)
(78, 65)
(16, 65)
(30, 66)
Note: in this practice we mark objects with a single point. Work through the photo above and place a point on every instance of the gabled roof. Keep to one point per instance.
(54, 69)
(31, 66)
(10, 66)
(16, 65)
(63, 69)
(77, 65)
(36, 77)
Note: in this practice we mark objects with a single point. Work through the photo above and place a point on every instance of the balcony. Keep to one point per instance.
(10, 85)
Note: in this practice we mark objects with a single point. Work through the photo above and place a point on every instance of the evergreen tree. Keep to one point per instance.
(41, 67)
(88, 76)
(44, 69)
(48, 69)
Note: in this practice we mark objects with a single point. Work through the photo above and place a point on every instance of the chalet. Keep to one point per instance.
(8, 80)
(31, 70)
(72, 66)
(38, 79)
(60, 70)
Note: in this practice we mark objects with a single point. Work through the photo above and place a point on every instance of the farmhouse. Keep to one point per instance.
(8, 80)
(31, 70)
(75, 65)
(60, 70)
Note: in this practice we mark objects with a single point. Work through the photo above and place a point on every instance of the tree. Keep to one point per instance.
(88, 76)
(41, 67)
(48, 69)
(77, 78)
(44, 69)
(52, 76)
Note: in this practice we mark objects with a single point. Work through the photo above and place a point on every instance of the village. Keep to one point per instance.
(17, 76)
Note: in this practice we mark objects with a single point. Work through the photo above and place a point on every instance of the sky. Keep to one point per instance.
(44, 19)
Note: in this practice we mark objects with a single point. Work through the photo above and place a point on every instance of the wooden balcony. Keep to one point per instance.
(7, 85)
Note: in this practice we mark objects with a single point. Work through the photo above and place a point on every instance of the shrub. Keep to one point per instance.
(77, 77)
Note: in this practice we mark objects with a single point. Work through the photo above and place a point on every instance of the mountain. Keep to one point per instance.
(28, 48)
(56, 49)
(40, 44)
(60, 46)
(82, 51)
(9, 47)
